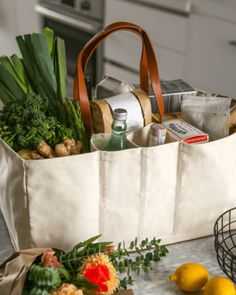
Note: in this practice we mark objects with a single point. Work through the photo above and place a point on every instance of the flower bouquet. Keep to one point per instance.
(92, 268)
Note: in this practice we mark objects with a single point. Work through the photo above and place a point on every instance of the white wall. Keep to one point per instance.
(16, 17)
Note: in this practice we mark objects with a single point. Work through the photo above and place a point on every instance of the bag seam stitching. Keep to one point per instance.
(177, 189)
(30, 238)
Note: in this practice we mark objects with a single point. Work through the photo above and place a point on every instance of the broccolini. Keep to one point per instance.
(25, 122)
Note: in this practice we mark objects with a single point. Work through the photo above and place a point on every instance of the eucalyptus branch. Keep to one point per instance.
(147, 252)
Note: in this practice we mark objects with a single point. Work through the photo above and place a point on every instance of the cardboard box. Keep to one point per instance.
(179, 130)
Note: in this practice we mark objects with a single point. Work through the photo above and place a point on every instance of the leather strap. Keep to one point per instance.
(84, 57)
(93, 43)
(148, 64)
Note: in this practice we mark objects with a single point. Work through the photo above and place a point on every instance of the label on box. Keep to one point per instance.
(185, 132)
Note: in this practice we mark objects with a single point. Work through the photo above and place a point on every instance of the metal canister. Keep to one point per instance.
(157, 134)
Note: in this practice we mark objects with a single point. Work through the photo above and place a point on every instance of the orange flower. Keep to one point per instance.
(98, 275)
(50, 260)
(68, 289)
(99, 270)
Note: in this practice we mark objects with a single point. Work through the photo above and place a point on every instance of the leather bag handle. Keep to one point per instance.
(92, 45)
(148, 64)
(89, 49)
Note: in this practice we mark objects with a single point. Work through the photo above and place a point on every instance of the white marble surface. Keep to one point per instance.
(157, 280)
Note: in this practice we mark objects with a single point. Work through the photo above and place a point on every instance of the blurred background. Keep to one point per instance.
(194, 40)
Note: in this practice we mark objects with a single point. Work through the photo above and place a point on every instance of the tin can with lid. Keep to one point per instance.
(157, 134)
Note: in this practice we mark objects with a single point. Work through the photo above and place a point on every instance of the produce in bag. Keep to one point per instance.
(39, 75)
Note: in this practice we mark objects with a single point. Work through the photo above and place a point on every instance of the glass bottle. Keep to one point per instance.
(118, 139)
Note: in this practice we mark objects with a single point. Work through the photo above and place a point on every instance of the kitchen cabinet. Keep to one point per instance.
(124, 50)
(196, 43)
(211, 58)
(121, 73)
(166, 29)
(168, 33)
(28, 20)
(7, 27)
(16, 17)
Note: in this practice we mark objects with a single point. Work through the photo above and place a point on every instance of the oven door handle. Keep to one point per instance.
(65, 19)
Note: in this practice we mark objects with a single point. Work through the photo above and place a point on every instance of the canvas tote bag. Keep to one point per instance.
(174, 191)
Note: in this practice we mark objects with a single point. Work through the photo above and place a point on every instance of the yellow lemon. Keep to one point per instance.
(190, 277)
(219, 286)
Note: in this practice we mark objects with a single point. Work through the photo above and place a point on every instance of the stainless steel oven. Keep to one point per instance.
(76, 21)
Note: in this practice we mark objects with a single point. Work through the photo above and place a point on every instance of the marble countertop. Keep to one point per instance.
(157, 280)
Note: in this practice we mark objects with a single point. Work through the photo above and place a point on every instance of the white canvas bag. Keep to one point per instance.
(174, 191)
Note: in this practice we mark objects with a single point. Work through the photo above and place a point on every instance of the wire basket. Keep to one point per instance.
(225, 242)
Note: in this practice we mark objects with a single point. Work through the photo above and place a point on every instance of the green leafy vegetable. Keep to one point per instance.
(24, 123)
(42, 71)
(10, 83)
(14, 71)
(5, 94)
(20, 71)
(60, 68)
(49, 35)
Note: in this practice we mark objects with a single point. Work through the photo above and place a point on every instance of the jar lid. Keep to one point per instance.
(156, 128)
(119, 114)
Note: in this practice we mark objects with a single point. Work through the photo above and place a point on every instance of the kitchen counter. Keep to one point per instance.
(156, 281)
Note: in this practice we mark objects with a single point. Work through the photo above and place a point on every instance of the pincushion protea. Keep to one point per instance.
(99, 270)
(49, 259)
(68, 289)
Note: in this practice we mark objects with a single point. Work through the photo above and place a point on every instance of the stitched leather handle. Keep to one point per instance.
(148, 65)
(84, 57)
(92, 45)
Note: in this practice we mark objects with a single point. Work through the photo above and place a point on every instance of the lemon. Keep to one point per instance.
(190, 277)
(219, 286)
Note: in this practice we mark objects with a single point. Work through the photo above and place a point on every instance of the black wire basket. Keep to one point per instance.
(225, 242)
